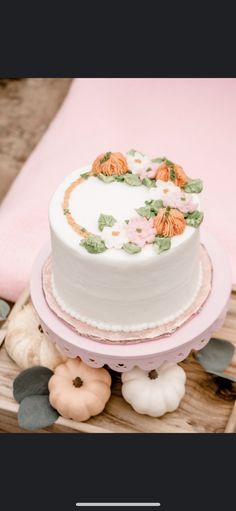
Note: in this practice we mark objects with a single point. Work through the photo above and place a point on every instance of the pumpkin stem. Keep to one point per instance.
(167, 212)
(153, 375)
(77, 382)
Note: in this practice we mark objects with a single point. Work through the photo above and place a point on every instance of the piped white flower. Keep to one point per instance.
(115, 236)
(138, 162)
(163, 189)
(166, 186)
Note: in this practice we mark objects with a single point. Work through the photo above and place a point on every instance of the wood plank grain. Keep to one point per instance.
(207, 405)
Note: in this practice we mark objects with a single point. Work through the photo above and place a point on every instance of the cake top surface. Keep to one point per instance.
(126, 205)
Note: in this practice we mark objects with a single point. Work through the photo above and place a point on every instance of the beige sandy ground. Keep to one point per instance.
(27, 107)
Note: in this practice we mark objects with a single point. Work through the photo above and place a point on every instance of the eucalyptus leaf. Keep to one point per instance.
(105, 221)
(106, 179)
(131, 248)
(149, 183)
(132, 180)
(31, 381)
(93, 244)
(193, 186)
(194, 219)
(4, 310)
(216, 355)
(161, 244)
(224, 375)
(35, 412)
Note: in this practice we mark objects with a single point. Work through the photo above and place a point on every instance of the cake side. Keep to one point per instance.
(150, 282)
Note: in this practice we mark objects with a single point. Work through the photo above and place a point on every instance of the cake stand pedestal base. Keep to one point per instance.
(148, 355)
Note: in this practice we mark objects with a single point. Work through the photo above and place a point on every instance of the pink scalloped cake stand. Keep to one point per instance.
(195, 334)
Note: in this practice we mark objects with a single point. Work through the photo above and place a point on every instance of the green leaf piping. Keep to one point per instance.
(155, 205)
(158, 160)
(119, 178)
(161, 244)
(132, 179)
(106, 179)
(193, 186)
(93, 244)
(85, 175)
(150, 183)
(194, 219)
(131, 248)
(146, 212)
(105, 221)
(169, 162)
(132, 152)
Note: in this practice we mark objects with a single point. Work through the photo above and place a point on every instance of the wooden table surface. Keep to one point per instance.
(208, 405)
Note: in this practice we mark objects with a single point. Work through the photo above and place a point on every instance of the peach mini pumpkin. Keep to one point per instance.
(174, 173)
(110, 164)
(78, 391)
(169, 222)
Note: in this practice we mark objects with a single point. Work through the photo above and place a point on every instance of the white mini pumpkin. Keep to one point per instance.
(155, 392)
(26, 343)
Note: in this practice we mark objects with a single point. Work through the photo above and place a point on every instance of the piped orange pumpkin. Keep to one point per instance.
(169, 222)
(78, 391)
(174, 173)
(110, 164)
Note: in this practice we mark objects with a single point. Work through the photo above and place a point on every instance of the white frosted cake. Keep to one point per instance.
(125, 242)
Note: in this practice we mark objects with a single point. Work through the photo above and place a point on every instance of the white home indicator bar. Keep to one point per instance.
(118, 504)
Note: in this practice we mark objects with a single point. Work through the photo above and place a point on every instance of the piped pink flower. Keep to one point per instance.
(180, 200)
(149, 171)
(140, 231)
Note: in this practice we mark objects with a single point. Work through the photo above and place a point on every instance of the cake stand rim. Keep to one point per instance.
(191, 332)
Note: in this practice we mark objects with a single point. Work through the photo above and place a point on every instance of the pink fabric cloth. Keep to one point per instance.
(191, 121)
